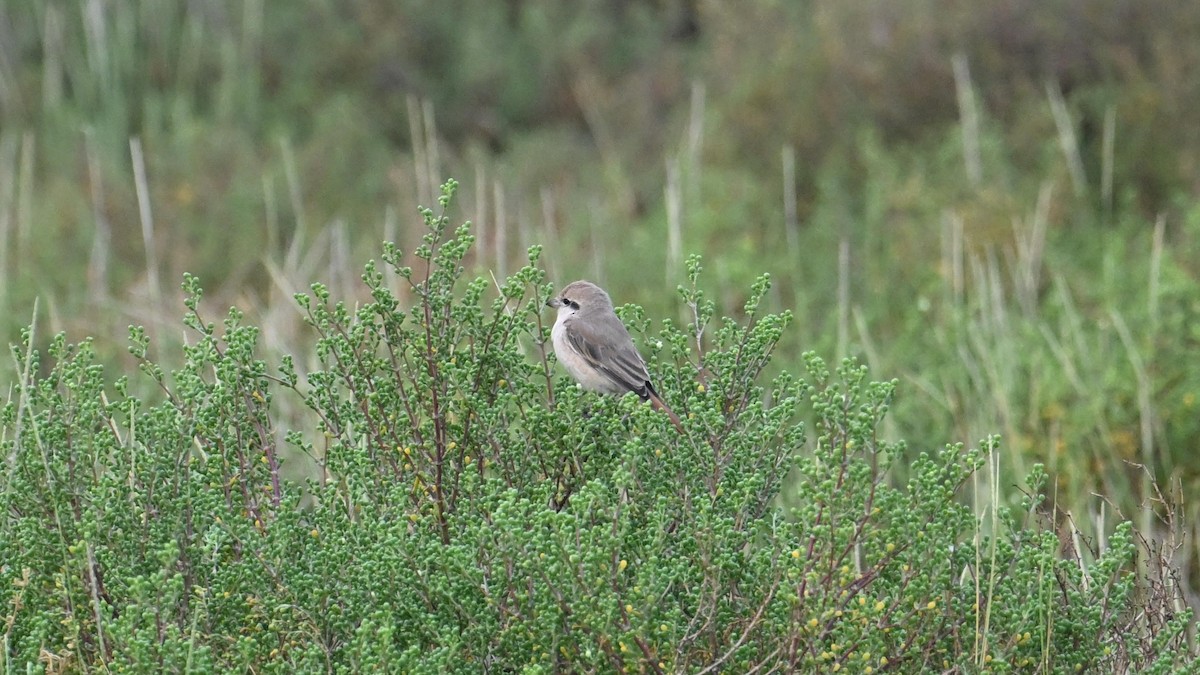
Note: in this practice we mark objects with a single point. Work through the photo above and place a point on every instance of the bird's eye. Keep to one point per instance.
(570, 303)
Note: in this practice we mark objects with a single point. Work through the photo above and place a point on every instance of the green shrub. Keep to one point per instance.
(469, 510)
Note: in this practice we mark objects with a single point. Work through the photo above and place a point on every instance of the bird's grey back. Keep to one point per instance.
(607, 346)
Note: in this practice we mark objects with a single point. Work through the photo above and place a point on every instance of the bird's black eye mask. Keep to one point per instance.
(570, 303)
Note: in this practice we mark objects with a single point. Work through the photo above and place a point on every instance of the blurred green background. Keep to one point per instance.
(994, 202)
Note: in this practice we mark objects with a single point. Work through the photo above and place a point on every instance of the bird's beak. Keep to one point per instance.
(554, 302)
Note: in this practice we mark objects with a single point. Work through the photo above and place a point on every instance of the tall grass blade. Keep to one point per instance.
(142, 186)
(1108, 149)
(1066, 137)
(673, 195)
(417, 136)
(968, 113)
(500, 246)
(791, 218)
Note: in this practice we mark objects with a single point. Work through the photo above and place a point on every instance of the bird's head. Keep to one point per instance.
(580, 296)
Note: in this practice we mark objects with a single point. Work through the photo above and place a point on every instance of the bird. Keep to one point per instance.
(596, 349)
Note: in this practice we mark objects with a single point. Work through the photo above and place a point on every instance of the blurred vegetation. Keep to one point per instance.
(995, 202)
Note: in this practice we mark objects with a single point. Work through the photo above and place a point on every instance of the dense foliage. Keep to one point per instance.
(463, 508)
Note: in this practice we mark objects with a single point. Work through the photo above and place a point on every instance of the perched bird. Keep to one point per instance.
(595, 348)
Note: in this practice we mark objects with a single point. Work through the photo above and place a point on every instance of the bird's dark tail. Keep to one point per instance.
(658, 404)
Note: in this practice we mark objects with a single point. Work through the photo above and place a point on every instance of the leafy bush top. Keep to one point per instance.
(468, 510)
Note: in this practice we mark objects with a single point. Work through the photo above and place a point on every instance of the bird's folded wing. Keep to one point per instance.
(623, 364)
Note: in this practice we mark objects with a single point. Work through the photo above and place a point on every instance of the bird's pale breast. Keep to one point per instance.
(578, 365)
